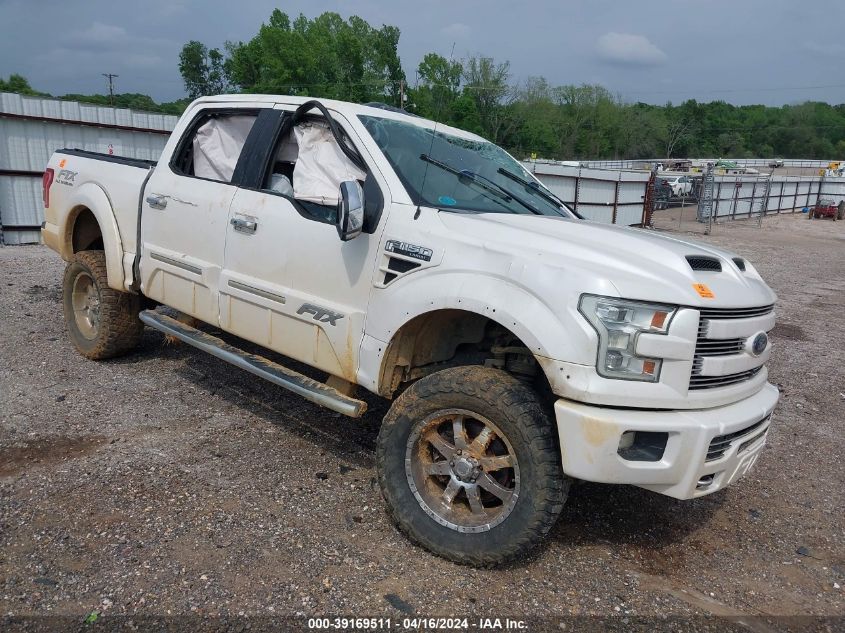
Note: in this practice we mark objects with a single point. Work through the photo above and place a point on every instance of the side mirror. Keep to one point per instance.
(350, 210)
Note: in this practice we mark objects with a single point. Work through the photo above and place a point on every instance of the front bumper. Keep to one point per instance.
(590, 436)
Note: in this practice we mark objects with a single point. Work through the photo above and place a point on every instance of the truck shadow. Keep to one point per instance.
(350, 440)
(594, 514)
(626, 515)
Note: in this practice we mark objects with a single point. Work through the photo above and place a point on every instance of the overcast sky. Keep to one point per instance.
(741, 51)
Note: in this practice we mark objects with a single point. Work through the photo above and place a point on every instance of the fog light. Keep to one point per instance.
(642, 446)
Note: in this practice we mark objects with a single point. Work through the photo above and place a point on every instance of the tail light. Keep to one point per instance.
(46, 181)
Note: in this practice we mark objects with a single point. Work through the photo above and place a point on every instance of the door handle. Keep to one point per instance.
(157, 201)
(244, 226)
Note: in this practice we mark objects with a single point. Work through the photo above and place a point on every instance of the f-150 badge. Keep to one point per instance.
(409, 250)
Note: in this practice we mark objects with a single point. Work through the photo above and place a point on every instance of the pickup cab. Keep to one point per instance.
(522, 347)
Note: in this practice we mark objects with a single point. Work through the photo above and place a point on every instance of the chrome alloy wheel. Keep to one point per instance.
(85, 299)
(462, 470)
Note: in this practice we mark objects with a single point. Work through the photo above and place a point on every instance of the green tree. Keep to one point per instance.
(202, 70)
(439, 86)
(486, 82)
(20, 85)
(327, 56)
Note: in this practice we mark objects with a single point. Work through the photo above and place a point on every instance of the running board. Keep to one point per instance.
(316, 392)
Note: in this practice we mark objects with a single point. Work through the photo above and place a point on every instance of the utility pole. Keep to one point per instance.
(401, 94)
(111, 77)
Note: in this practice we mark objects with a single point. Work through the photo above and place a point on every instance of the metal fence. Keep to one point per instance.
(644, 163)
(32, 128)
(610, 196)
(741, 196)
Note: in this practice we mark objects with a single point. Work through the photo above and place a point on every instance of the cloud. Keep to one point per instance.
(629, 50)
(97, 37)
(456, 30)
(85, 49)
(831, 49)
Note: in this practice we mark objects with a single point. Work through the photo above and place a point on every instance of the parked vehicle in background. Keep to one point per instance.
(680, 185)
(775, 163)
(828, 208)
(521, 346)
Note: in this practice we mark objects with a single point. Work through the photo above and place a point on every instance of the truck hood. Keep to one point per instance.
(638, 263)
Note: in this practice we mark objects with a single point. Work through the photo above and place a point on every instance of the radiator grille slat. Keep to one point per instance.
(721, 443)
(734, 313)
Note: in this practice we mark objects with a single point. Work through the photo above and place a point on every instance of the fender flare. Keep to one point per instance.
(499, 299)
(90, 196)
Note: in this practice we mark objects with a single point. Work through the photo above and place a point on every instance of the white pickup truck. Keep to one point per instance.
(522, 346)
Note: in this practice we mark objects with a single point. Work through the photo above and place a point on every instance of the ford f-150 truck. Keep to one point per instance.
(522, 346)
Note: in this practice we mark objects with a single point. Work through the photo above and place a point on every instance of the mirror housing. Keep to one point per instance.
(350, 210)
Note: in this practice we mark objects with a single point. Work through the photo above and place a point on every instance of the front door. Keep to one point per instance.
(185, 211)
(289, 283)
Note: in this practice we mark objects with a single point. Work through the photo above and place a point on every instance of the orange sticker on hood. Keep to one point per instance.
(703, 291)
(62, 163)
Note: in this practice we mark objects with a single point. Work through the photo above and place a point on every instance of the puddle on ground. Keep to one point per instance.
(54, 450)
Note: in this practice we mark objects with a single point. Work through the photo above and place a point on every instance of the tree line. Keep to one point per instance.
(351, 60)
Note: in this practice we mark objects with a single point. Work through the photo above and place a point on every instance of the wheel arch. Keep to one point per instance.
(90, 225)
(449, 337)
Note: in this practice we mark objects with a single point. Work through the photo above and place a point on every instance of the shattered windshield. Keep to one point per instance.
(449, 172)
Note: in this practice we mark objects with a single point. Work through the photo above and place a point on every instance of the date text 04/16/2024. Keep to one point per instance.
(417, 623)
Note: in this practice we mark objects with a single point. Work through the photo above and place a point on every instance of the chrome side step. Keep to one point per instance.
(316, 392)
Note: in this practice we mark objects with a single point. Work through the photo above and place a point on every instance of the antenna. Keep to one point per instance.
(110, 77)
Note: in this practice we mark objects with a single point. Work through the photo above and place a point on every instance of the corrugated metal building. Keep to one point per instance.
(32, 128)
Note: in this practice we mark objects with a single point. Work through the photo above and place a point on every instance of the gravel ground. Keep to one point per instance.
(168, 483)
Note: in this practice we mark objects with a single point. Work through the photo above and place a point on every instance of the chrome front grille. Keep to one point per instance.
(711, 382)
(721, 443)
(706, 347)
(734, 313)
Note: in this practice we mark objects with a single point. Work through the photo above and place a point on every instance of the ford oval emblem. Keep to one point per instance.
(759, 343)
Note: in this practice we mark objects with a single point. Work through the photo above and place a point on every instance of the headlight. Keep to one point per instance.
(619, 323)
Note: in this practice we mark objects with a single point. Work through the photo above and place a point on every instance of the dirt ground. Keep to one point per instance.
(169, 484)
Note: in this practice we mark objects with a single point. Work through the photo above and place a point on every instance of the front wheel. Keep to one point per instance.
(469, 466)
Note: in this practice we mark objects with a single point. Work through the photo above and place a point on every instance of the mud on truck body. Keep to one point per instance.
(522, 346)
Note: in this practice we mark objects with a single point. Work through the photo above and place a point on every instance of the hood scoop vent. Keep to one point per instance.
(702, 262)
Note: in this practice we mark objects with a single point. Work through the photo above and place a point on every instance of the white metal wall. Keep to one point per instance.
(32, 128)
(604, 195)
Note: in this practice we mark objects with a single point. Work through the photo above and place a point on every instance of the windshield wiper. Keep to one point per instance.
(534, 187)
(482, 181)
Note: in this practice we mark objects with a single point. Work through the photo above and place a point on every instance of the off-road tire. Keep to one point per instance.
(119, 328)
(519, 412)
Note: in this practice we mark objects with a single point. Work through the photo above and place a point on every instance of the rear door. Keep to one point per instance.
(186, 209)
(289, 283)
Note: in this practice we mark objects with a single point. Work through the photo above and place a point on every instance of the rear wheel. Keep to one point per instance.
(102, 322)
(469, 466)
